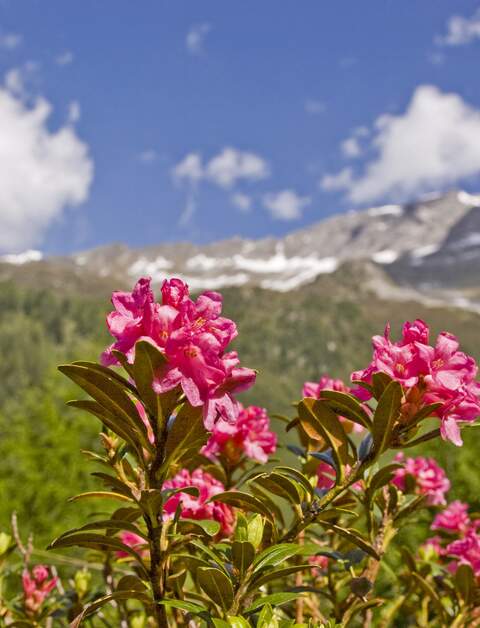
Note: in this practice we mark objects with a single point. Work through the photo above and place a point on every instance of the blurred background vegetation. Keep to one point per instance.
(291, 337)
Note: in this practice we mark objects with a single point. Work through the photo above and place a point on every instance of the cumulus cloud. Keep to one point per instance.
(190, 169)
(196, 36)
(232, 165)
(435, 143)
(461, 30)
(224, 170)
(64, 58)
(74, 112)
(10, 41)
(351, 147)
(285, 205)
(243, 202)
(338, 181)
(41, 171)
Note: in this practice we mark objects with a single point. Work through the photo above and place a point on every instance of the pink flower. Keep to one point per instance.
(325, 476)
(430, 479)
(193, 336)
(433, 545)
(250, 435)
(197, 507)
(314, 390)
(467, 550)
(320, 562)
(440, 374)
(37, 588)
(132, 540)
(453, 519)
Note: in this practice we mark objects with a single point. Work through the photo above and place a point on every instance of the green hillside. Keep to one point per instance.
(289, 337)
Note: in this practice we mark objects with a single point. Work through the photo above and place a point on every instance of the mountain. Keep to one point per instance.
(428, 250)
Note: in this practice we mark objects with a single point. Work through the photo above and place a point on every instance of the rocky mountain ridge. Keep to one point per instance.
(429, 249)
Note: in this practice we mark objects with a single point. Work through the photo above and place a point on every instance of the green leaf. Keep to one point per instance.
(280, 485)
(297, 476)
(354, 537)
(273, 556)
(198, 526)
(243, 554)
(216, 585)
(321, 423)
(238, 622)
(131, 583)
(240, 499)
(109, 394)
(217, 558)
(262, 579)
(187, 434)
(255, 528)
(380, 382)
(148, 360)
(100, 495)
(383, 477)
(386, 414)
(347, 406)
(105, 370)
(465, 583)
(118, 595)
(97, 542)
(430, 591)
(108, 524)
(275, 599)
(182, 605)
(118, 427)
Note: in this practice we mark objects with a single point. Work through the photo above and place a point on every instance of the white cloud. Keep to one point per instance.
(314, 107)
(41, 171)
(64, 58)
(243, 202)
(148, 156)
(190, 169)
(196, 36)
(225, 169)
(10, 41)
(351, 147)
(74, 112)
(461, 30)
(285, 205)
(435, 143)
(232, 165)
(339, 181)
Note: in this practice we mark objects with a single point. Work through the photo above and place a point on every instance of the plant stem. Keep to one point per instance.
(154, 524)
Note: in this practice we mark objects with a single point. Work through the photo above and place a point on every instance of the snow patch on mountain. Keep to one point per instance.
(18, 259)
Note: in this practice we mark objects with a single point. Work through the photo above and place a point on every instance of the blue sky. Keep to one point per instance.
(202, 120)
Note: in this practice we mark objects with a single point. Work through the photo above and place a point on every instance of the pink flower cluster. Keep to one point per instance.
(455, 521)
(314, 390)
(197, 507)
(249, 436)
(326, 477)
(193, 336)
(429, 478)
(428, 374)
(134, 541)
(36, 587)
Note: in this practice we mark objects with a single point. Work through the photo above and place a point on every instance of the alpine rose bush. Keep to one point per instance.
(203, 506)
(193, 337)
(429, 478)
(249, 436)
(209, 529)
(439, 374)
